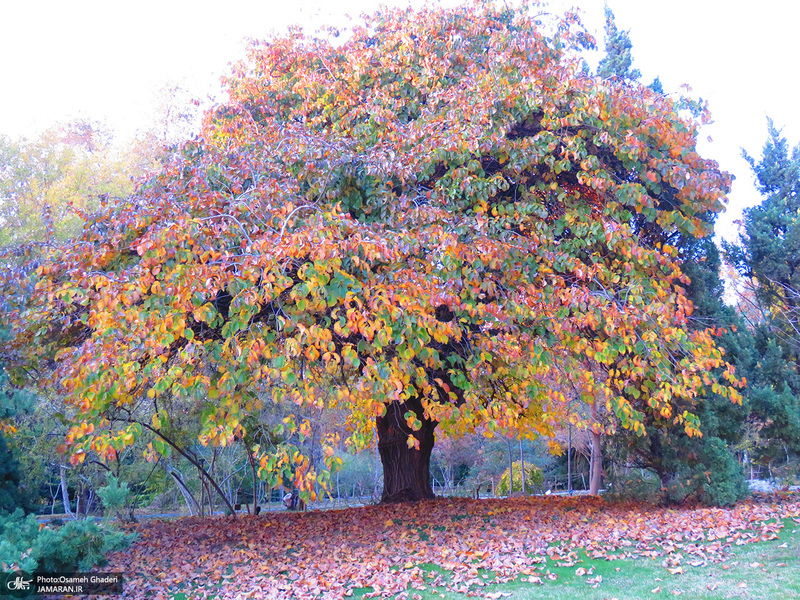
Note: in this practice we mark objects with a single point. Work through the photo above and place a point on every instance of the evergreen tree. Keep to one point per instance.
(666, 450)
(770, 254)
(770, 250)
(11, 496)
(12, 401)
(656, 86)
(703, 468)
(618, 59)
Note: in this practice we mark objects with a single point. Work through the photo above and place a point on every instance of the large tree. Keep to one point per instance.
(438, 221)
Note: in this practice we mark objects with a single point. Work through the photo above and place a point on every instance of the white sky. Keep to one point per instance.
(107, 59)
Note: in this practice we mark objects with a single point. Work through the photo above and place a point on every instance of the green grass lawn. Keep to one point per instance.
(763, 570)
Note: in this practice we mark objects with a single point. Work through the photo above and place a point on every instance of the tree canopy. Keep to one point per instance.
(436, 219)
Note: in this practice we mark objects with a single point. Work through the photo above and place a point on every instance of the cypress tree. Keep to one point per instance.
(618, 59)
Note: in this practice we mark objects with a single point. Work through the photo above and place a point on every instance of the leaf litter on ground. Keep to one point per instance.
(459, 545)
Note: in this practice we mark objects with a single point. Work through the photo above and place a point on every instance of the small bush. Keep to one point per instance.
(635, 486)
(714, 479)
(78, 545)
(533, 479)
(114, 496)
(17, 534)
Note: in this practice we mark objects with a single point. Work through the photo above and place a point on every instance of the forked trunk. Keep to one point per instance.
(406, 471)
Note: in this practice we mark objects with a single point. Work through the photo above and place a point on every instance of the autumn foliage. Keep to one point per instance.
(436, 219)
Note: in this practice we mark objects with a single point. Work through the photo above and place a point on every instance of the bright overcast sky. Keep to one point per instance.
(106, 60)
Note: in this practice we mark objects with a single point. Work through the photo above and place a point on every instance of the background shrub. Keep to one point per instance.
(715, 478)
(533, 479)
(114, 495)
(634, 486)
(77, 545)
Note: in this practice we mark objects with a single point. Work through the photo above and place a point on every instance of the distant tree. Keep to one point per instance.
(12, 401)
(48, 186)
(618, 59)
(770, 248)
(533, 480)
(45, 182)
(656, 86)
(769, 254)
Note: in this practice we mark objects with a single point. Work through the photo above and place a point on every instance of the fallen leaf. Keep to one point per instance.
(382, 546)
(656, 590)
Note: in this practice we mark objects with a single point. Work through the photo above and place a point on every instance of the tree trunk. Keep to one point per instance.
(191, 501)
(376, 485)
(65, 492)
(596, 463)
(510, 467)
(596, 478)
(252, 462)
(569, 461)
(406, 471)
